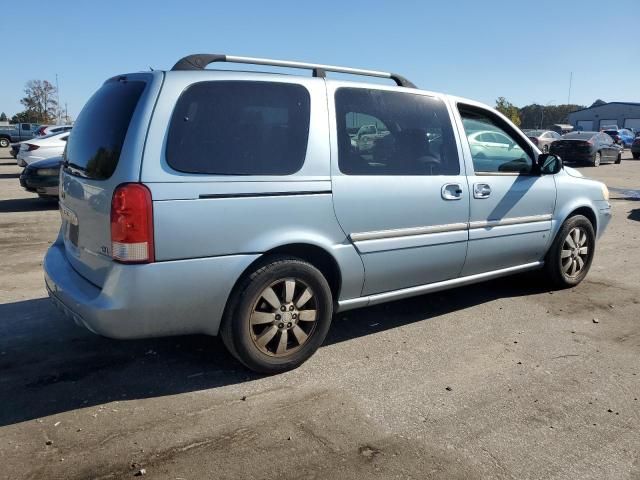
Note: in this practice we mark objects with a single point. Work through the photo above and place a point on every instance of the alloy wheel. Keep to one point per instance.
(575, 252)
(284, 317)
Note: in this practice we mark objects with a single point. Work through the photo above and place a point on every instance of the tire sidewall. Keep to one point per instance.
(237, 323)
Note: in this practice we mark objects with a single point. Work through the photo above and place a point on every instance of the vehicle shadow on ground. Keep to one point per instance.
(9, 175)
(34, 204)
(634, 215)
(48, 365)
(10, 163)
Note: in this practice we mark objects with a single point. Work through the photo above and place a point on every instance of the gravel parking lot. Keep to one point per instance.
(504, 379)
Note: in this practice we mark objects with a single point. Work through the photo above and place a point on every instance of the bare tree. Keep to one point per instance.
(40, 101)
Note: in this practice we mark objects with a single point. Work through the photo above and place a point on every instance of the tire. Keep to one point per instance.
(561, 271)
(254, 324)
(596, 160)
(636, 156)
(4, 142)
(619, 159)
(545, 149)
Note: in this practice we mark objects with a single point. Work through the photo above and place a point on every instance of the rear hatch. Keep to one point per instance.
(104, 150)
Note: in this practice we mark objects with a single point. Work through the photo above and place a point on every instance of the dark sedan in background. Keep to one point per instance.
(592, 148)
(42, 177)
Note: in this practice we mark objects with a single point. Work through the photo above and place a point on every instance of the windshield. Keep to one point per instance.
(98, 134)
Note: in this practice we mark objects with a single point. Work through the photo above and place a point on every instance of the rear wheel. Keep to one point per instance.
(619, 158)
(570, 256)
(636, 156)
(4, 142)
(597, 159)
(278, 315)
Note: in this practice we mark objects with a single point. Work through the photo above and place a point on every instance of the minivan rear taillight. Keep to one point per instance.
(31, 147)
(132, 224)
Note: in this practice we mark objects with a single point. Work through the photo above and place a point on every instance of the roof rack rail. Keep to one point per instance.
(200, 60)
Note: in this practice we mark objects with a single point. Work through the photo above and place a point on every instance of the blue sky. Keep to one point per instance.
(524, 51)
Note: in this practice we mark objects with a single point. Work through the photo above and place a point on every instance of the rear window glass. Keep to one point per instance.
(94, 147)
(239, 128)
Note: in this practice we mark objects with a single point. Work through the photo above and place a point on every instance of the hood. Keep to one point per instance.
(53, 162)
(573, 172)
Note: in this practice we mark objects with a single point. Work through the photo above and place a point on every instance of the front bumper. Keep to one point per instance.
(150, 300)
(604, 216)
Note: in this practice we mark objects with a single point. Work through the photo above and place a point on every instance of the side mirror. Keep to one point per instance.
(548, 164)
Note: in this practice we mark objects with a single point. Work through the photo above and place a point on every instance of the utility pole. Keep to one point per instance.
(570, 82)
(58, 98)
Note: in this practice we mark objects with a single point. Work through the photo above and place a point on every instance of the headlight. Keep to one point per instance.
(605, 192)
(48, 172)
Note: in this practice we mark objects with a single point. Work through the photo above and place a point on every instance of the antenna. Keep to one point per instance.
(58, 98)
(570, 82)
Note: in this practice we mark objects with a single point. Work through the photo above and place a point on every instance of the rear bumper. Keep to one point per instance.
(151, 300)
(576, 157)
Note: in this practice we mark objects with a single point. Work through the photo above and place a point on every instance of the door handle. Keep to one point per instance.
(451, 191)
(481, 190)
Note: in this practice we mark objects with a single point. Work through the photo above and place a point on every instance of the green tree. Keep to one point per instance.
(540, 116)
(508, 109)
(24, 117)
(3, 117)
(40, 101)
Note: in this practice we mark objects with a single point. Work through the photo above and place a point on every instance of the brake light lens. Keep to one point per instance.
(534, 140)
(132, 224)
(31, 147)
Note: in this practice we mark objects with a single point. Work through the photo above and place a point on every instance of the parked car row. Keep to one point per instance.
(592, 148)
(13, 136)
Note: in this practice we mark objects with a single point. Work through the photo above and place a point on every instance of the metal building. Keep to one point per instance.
(622, 114)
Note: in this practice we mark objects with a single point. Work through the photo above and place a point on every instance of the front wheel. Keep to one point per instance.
(4, 142)
(597, 159)
(278, 315)
(619, 158)
(570, 256)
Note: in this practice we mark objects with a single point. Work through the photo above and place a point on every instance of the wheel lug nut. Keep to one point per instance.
(283, 308)
(281, 325)
(289, 325)
(294, 316)
(277, 317)
(291, 308)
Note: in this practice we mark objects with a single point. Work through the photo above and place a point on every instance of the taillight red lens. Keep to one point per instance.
(132, 224)
(31, 147)
(534, 140)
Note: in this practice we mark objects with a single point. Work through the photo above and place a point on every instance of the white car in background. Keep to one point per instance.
(42, 148)
(46, 130)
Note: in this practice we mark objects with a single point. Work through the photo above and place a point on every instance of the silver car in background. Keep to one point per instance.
(542, 138)
(237, 203)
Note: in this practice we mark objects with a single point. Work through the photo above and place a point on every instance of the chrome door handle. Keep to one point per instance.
(451, 191)
(481, 190)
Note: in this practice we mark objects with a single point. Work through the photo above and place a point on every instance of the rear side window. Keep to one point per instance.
(96, 141)
(239, 128)
(393, 133)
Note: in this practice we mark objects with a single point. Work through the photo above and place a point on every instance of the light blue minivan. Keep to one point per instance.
(242, 204)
